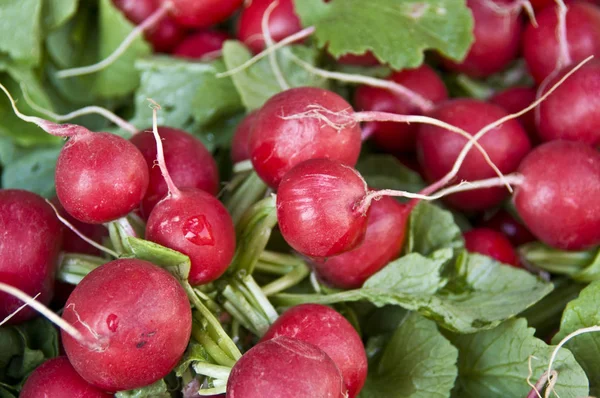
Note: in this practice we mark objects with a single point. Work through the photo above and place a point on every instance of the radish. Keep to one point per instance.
(57, 378)
(201, 13)
(239, 143)
(366, 59)
(581, 38)
(29, 246)
(278, 143)
(503, 222)
(190, 164)
(192, 222)
(513, 100)
(573, 111)
(331, 332)
(283, 368)
(394, 137)
(386, 227)
(497, 37)
(492, 244)
(204, 45)
(134, 322)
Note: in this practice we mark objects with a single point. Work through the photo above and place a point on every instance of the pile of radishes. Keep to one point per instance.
(522, 165)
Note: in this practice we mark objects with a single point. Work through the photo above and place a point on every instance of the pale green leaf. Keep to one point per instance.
(20, 30)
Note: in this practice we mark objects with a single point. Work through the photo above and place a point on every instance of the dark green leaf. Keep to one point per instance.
(582, 266)
(33, 171)
(156, 390)
(432, 228)
(20, 30)
(57, 12)
(386, 172)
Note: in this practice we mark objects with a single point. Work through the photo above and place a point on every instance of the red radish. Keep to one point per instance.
(193, 222)
(366, 59)
(438, 149)
(283, 22)
(278, 143)
(239, 144)
(164, 35)
(190, 164)
(331, 332)
(205, 45)
(573, 111)
(29, 247)
(57, 378)
(386, 227)
(513, 100)
(497, 38)
(516, 232)
(558, 200)
(283, 368)
(201, 13)
(317, 208)
(541, 47)
(395, 137)
(492, 244)
(137, 319)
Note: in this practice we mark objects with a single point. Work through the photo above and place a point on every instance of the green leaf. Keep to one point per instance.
(258, 83)
(156, 390)
(396, 31)
(432, 228)
(581, 266)
(194, 353)
(582, 313)
(57, 12)
(418, 362)
(8, 151)
(176, 263)
(386, 172)
(20, 30)
(494, 363)
(33, 171)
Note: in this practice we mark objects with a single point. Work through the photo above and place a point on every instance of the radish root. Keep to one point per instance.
(513, 8)
(160, 155)
(15, 312)
(269, 43)
(564, 57)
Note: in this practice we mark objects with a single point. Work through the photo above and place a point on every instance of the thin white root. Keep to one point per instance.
(30, 119)
(80, 234)
(155, 17)
(513, 8)
(15, 312)
(98, 110)
(564, 57)
(304, 33)
(160, 155)
(269, 43)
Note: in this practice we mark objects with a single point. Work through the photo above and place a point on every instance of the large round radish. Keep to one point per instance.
(331, 332)
(202, 13)
(439, 148)
(284, 368)
(505, 223)
(558, 200)
(30, 240)
(572, 112)
(399, 137)
(541, 46)
(492, 244)
(100, 177)
(514, 100)
(239, 143)
(205, 45)
(190, 164)
(383, 241)
(497, 37)
(57, 378)
(317, 208)
(136, 321)
(278, 143)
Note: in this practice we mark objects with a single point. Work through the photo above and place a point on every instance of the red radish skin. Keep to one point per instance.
(284, 368)
(331, 332)
(205, 45)
(516, 232)
(29, 247)
(277, 144)
(386, 228)
(514, 100)
(497, 39)
(57, 378)
(438, 150)
(559, 199)
(100, 177)
(316, 208)
(198, 225)
(399, 137)
(541, 47)
(283, 22)
(572, 112)
(239, 144)
(492, 244)
(202, 13)
(165, 35)
(366, 59)
(190, 164)
(139, 317)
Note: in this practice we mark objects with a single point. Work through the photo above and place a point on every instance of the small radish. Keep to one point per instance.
(190, 164)
(331, 332)
(366, 59)
(57, 378)
(513, 100)
(386, 227)
(205, 45)
(134, 321)
(201, 13)
(394, 137)
(278, 143)
(497, 37)
(284, 368)
(492, 244)
(193, 222)
(514, 231)
(239, 143)
(30, 242)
